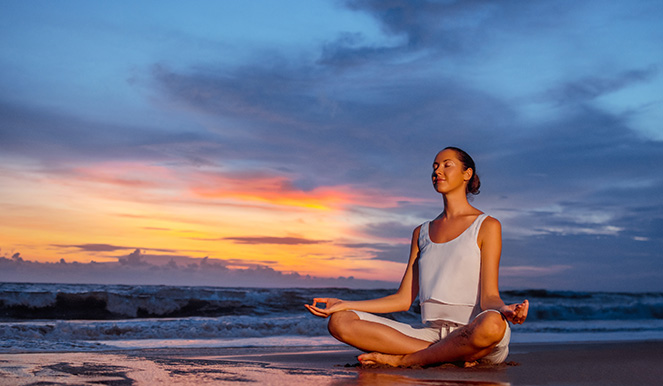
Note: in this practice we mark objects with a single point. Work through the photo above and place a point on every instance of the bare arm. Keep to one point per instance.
(399, 301)
(490, 243)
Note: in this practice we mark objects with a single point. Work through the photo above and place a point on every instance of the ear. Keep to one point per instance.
(467, 174)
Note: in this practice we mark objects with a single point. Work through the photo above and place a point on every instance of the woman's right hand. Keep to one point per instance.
(331, 305)
(515, 313)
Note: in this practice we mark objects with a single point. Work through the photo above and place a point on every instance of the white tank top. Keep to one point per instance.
(449, 275)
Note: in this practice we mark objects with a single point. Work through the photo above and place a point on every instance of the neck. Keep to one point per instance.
(455, 205)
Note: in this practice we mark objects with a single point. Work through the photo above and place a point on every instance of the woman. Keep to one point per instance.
(453, 267)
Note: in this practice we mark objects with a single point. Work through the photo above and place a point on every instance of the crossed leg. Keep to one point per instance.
(468, 343)
(368, 336)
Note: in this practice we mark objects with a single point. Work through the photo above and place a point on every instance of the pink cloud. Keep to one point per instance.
(280, 190)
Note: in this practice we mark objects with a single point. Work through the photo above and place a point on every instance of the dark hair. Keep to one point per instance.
(474, 183)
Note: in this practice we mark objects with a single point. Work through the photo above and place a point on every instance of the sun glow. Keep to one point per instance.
(104, 212)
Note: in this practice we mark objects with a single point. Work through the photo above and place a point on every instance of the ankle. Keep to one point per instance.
(406, 360)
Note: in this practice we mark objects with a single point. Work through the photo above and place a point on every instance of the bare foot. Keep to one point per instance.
(376, 358)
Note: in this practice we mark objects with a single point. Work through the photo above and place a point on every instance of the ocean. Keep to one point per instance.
(84, 317)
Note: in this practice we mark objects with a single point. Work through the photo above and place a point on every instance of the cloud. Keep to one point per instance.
(199, 272)
(593, 86)
(280, 189)
(105, 247)
(347, 51)
(595, 262)
(60, 138)
(391, 230)
(374, 136)
(273, 240)
(133, 259)
(424, 24)
(386, 252)
(584, 164)
(351, 122)
(94, 247)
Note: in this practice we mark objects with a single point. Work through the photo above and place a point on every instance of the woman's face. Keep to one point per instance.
(448, 174)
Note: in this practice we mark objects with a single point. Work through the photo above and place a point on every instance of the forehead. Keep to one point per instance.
(447, 154)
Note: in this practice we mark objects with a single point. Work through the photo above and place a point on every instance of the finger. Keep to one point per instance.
(525, 309)
(521, 312)
(317, 311)
(320, 300)
(313, 308)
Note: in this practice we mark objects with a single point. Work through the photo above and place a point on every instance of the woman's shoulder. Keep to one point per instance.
(490, 224)
(417, 230)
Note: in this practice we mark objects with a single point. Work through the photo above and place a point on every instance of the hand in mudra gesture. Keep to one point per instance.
(515, 313)
(332, 305)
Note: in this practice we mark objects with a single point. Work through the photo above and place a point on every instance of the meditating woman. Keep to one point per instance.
(453, 267)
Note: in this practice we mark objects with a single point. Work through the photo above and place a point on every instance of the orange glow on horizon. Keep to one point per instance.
(253, 221)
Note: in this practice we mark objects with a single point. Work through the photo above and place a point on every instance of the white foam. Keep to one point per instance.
(272, 341)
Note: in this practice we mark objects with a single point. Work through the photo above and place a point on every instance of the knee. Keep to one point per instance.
(339, 323)
(489, 330)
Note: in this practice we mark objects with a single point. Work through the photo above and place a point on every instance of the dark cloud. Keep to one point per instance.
(387, 252)
(56, 137)
(595, 261)
(199, 272)
(133, 259)
(594, 86)
(373, 133)
(423, 24)
(94, 247)
(442, 30)
(590, 151)
(347, 51)
(105, 247)
(390, 230)
(242, 263)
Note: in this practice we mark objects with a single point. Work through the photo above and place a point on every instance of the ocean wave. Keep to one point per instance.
(180, 328)
(48, 317)
(95, 302)
(590, 306)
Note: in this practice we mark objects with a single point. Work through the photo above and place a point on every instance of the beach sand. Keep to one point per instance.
(616, 363)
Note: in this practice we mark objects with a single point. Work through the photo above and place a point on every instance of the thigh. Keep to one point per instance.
(422, 332)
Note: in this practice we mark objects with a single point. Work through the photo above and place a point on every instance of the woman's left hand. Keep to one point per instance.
(332, 305)
(515, 313)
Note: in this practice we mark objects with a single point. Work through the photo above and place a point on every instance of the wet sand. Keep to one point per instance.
(619, 363)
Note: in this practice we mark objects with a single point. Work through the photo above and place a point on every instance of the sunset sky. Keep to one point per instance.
(258, 142)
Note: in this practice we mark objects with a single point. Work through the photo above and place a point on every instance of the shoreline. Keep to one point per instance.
(569, 363)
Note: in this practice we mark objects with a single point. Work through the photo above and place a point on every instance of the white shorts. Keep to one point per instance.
(436, 331)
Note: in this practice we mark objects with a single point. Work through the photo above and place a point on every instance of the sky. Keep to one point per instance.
(290, 143)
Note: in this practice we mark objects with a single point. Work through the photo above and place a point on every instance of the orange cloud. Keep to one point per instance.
(280, 191)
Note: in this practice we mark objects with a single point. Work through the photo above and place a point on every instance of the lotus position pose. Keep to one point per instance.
(453, 267)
